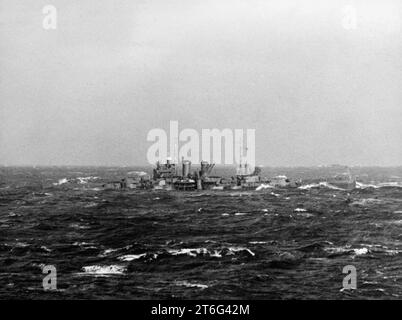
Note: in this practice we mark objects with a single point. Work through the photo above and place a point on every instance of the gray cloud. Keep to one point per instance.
(89, 92)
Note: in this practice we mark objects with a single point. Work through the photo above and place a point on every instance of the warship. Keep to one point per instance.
(171, 176)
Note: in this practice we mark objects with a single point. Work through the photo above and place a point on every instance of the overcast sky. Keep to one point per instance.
(317, 91)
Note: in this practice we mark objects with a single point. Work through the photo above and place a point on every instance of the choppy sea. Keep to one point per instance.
(268, 244)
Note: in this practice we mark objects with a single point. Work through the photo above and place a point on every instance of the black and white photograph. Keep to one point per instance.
(200, 150)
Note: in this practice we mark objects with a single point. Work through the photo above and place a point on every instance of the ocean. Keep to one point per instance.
(269, 244)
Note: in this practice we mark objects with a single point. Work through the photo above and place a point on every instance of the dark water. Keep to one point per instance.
(278, 244)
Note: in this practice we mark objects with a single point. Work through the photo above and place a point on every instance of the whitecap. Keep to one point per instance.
(319, 185)
(61, 181)
(347, 249)
(191, 252)
(360, 185)
(84, 180)
(83, 244)
(361, 251)
(390, 184)
(131, 257)
(104, 270)
(216, 254)
(78, 226)
(240, 213)
(263, 186)
(191, 285)
(232, 250)
(391, 252)
(309, 186)
(107, 252)
(45, 248)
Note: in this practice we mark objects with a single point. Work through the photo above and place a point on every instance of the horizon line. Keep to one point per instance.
(196, 164)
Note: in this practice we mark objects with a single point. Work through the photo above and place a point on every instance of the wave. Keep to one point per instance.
(236, 214)
(347, 250)
(263, 186)
(191, 285)
(46, 249)
(78, 226)
(85, 180)
(79, 180)
(285, 260)
(131, 257)
(378, 248)
(232, 250)
(104, 270)
(84, 244)
(191, 252)
(240, 213)
(109, 251)
(390, 184)
(360, 185)
(322, 184)
(60, 182)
